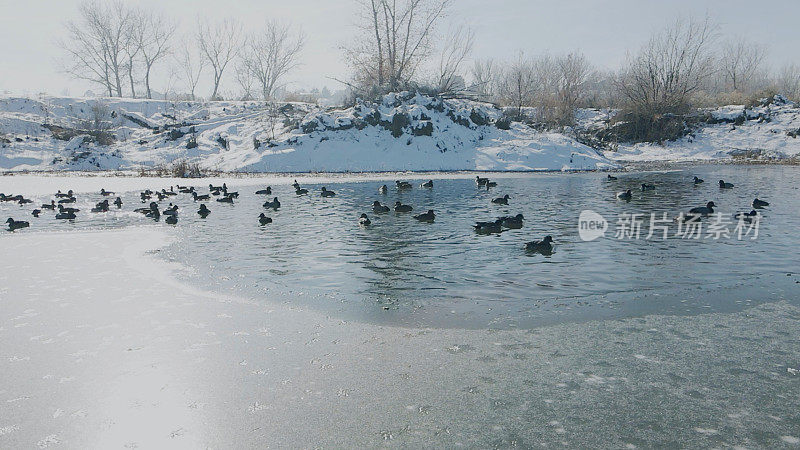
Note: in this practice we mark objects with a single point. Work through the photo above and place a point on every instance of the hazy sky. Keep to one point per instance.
(603, 29)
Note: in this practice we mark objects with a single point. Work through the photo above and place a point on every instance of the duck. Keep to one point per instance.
(403, 185)
(625, 195)
(501, 200)
(274, 204)
(263, 220)
(611, 178)
(153, 207)
(100, 207)
(225, 199)
(648, 187)
(60, 194)
(16, 224)
(724, 185)
(295, 184)
(489, 227)
(746, 216)
(24, 201)
(36, 212)
(67, 200)
(118, 202)
(490, 184)
(145, 196)
(378, 208)
(514, 222)
(758, 204)
(326, 193)
(399, 207)
(364, 220)
(172, 210)
(428, 184)
(105, 193)
(267, 191)
(185, 189)
(383, 189)
(203, 197)
(703, 210)
(545, 246)
(481, 181)
(216, 192)
(698, 180)
(66, 215)
(63, 209)
(232, 194)
(214, 188)
(172, 220)
(428, 217)
(300, 191)
(51, 205)
(168, 193)
(203, 211)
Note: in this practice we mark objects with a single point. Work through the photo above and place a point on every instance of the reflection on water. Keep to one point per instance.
(401, 271)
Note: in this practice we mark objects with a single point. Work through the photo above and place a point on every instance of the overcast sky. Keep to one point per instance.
(603, 29)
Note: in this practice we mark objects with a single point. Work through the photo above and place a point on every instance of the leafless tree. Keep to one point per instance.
(153, 34)
(95, 44)
(740, 62)
(457, 48)
(272, 53)
(485, 79)
(516, 86)
(573, 72)
(788, 81)
(191, 65)
(671, 67)
(245, 82)
(219, 44)
(395, 40)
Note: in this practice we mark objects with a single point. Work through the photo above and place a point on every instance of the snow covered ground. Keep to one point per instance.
(403, 132)
(110, 350)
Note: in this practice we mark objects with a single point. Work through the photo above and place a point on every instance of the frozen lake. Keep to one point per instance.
(313, 332)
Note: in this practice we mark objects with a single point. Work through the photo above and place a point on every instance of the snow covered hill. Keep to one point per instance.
(403, 132)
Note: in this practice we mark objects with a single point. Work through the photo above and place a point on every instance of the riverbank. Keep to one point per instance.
(111, 350)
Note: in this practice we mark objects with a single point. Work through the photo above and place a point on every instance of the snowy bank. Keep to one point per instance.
(402, 132)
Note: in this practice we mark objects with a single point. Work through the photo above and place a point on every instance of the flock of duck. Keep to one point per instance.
(697, 213)
(61, 206)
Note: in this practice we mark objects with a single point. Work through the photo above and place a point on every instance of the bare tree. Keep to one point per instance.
(245, 81)
(95, 44)
(573, 73)
(457, 48)
(152, 35)
(788, 81)
(740, 62)
(671, 67)
(272, 53)
(485, 79)
(191, 65)
(516, 87)
(396, 39)
(219, 44)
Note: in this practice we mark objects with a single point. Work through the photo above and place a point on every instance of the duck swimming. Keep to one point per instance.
(428, 184)
(263, 220)
(118, 202)
(300, 191)
(403, 185)
(428, 217)
(364, 220)
(758, 204)
(698, 180)
(51, 205)
(267, 191)
(16, 224)
(203, 211)
(172, 220)
(65, 215)
(378, 208)
(24, 201)
(501, 200)
(60, 194)
(625, 195)
(67, 200)
(274, 204)
(63, 209)
(513, 222)
(545, 246)
(746, 217)
(327, 193)
(399, 207)
(383, 189)
(225, 199)
(610, 178)
(724, 185)
(100, 207)
(703, 210)
(489, 227)
(172, 210)
(481, 181)
(648, 187)
(490, 184)
(104, 192)
(200, 197)
(36, 212)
